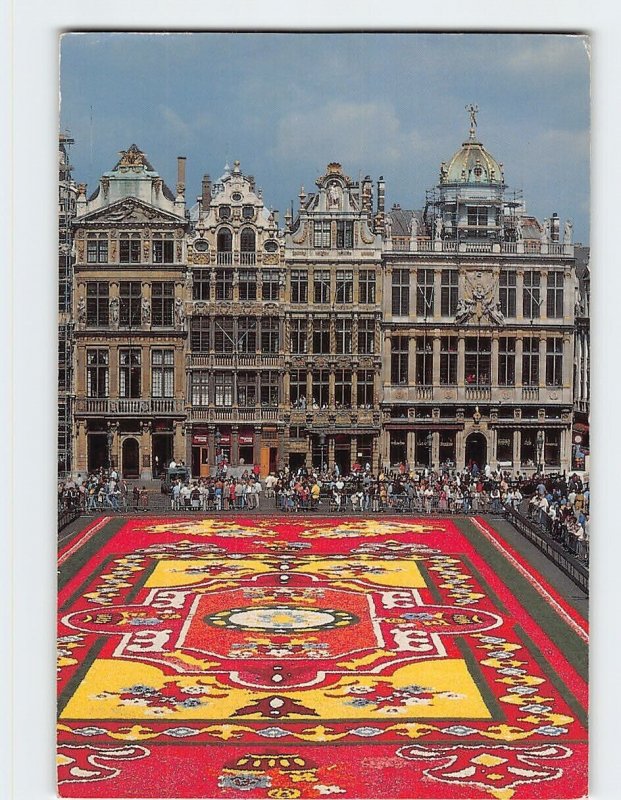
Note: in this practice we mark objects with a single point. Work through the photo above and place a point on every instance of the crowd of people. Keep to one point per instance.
(558, 504)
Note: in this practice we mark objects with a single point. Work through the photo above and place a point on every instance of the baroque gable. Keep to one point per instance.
(130, 211)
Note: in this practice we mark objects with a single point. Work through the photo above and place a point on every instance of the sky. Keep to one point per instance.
(285, 105)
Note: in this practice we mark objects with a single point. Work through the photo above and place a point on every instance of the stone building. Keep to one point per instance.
(129, 314)
(67, 194)
(333, 254)
(235, 356)
(478, 322)
(582, 362)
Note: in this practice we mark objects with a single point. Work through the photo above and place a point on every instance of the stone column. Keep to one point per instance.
(495, 350)
(461, 361)
(211, 444)
(519, 352)
(517, 448)
(330, 444)
(331, 389)
(187, 435)
(256, 455)
(354, 388)
(542, 361)
(286, 388)
(543, 295)
(81, 447)
(354, 333)
(309, 388)
(113, 367)
(460, 450)
(437, 288)
(353, 450)
(412, 360)
(435, 448)
(145, 452)
(411, 448)
(387, 357)
(179, 448)
(412, 293)
(568, 296)
(234, 445)
(436, 361)
(567, 362)
(519, 294)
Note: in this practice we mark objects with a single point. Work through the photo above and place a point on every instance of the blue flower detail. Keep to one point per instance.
(366, 731)
(272, 733)
(191, 702)
(536, 708)
(180, 733)
(358, 702)
(459, 730)
(550, 730)
(145, 621)
(141, 689)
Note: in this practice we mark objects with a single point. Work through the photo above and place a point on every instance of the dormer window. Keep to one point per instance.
(163, 250)
(224, 212)
(248, 212)
(477, 216)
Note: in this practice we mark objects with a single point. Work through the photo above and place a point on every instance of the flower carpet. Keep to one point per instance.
(295, 657)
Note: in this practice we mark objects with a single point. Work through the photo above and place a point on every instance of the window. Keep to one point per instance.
(129, 372)
(297, 388)
(365, 388)
(506, 361)
(224, 245)
(299, 335)
(248, 212)
(344, 235)
(366, 286)
(224, 212)
(129, 248)
(201, 283)
(321, 387)
(478, 360)
(554, 303)
(271, 285)
(424, 293)
(247, 335)
(223, 384)
(401, 292)
(399, 360)
(97, 373)
(424, 361)
(344, 286)
(247, 389)
(270, 246)
(530, 361)
(448, 360)
(247, 284)
(299, 286)
(163, 250)
(270, 338)
(449, 292)
(129, 305)
(366, 336)
(321, 234)
(554, 362)
(531, 295)
(269, 388)
(321, 286)
(162, 373)
(342, 388)
(321, 336)
(97, 249)
(477, 216)
(162, 300)
(507, 292)
(223, 335)
(343, 336)
(97, 309)
(200, 387)
(247, 247)
(199, 334)
(224, 284)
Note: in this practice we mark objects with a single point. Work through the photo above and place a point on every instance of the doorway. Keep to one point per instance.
(476, 450)
(97, 451)
(131, 462)
(162, 452)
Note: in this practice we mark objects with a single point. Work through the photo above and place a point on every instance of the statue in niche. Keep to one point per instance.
(81, 310)
(179, 312)
(567, 235)
(333, 196)
(145, 311)
(114, 310)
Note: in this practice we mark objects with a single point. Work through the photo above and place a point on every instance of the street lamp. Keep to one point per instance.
(322, 444)
(429, 443)
(540, 444)
(109, 440)
(217, 438)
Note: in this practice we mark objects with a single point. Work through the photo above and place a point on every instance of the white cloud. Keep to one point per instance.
(546, 53)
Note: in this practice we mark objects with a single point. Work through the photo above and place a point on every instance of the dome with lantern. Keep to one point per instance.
(472, 163)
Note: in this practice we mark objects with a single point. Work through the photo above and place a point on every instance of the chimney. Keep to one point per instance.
(206, 192)
(181, 175)
(381, 190)
(555, 228)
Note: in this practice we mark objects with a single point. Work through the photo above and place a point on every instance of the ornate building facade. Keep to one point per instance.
(441, 336)
(478, 326)
(130, 325)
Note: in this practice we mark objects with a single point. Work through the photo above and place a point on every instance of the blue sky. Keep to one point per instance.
(287, 104)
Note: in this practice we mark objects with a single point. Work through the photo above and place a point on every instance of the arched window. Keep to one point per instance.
(247, 246)
(225, 246)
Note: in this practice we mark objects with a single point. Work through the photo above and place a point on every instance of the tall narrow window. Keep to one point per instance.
(247, 335)
(449, 292)
(366, 336)
(343, 336)
(223, 383)
(224, 284)
(224, 244)
(345, 235)
(506, 361)
(448, 360)
(247, 284)
(400, 292)
(532, 294)
(246, 389)
(162, 300)
(163, 249)
(477, 218)
(270, 335)
(270, 392)
(321, 387)
(299, 286)
(97, 373)
(321, 234)
(321, 285)
(399, 360)
(270, 286)
(530, 361)
(129, 248)
(247, 247)
(299, 335)
(199, 334)
(478, 360)
(199, 387)
(342, 388)
(365, 388)
(366, 286)
(201, 282)
(97, 308)
(162, 373)
(424, 293)
(554, 304)
(344, 286)
(297, 388)
(554, 361)
(424, 361)
(321, 336)
(129, 305)
(224, 340)
(97, 248)
(507, 292)
(130, 372)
